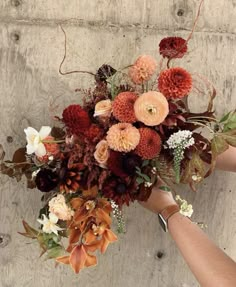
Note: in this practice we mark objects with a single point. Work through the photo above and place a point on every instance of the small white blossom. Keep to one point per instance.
(49, 224)
(183, 138)
(34, 173)
(147, 184)
(34, 140)
(185, 208)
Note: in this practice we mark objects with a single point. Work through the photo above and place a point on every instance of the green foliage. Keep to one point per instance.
(229, 121)
(141, 176)
(165, 188)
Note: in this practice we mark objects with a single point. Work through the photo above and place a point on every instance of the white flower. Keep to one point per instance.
(34, 140)
(49, 224)
(185, 208)
(181, 138)
(58, 206)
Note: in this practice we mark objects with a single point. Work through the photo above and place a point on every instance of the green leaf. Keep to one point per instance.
(146, 177)
(165, 188)
(139, 180)
(55, 252)
(225, 117)
(145, 163)
(230, 137)
(218, 145)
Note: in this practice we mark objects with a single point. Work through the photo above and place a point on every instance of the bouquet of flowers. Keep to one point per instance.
(132, 130)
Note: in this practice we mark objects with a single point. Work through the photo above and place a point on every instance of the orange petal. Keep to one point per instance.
(104, 245)
(63, 259)
(110, 235)
(91, 260)
(78, 258)
(76, 202)
(74, 235)
(103, 216)
(90, 237)
(93, 247)
(80, 215)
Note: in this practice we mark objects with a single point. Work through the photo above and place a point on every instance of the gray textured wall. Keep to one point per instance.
(115, 32)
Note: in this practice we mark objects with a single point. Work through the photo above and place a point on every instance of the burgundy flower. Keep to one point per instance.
(122, 192)
(46, 180)
(76, 119)
(175, 83)
(173, 47)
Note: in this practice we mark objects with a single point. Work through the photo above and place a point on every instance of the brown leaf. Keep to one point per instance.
(91, 193)
(57, 133)
(2, 152)
(19, 155)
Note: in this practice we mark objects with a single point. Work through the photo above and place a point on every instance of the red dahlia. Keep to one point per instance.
(175, 83)
(76, 119)
(173, 47)
(149, 145)
(94, 133)
(123, 107)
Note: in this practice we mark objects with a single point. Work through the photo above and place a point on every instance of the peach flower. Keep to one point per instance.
(58, 206)
(103, 108)
(123, 137)
(151, 108)
(143, 69)
(101, 153)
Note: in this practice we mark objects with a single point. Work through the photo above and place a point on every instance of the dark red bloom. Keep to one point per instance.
(119, 190)
(115, 164)
(76, 119)
(94, 133)
(175, 83)
(173, 47)
(46, 180)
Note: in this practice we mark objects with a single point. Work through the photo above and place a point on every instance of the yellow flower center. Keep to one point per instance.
(90, 204)
(151, 109)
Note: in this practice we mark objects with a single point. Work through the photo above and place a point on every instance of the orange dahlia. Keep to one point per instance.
(149, 145)
(151, 108)
(123, 107)
(175, 83)
(123, 137)
(143, 69)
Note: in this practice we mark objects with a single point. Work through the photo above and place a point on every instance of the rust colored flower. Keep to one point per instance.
(151, 108)
(78, 259)
(101, 153)
(175, 83)
(123, 137)
(115, 164)
(123, 107)
(76, 119)
(119, 190)
(149, 145)
(94, 133)
(143, 69)
(173, 47)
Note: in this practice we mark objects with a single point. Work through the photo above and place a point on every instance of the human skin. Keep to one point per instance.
(209, 264)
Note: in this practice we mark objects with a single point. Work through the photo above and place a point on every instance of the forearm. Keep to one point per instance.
(227, 160)
(211, 266)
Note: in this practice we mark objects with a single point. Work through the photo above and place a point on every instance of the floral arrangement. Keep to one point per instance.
(133, 129)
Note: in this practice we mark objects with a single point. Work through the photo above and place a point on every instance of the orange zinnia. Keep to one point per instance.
(151, 108)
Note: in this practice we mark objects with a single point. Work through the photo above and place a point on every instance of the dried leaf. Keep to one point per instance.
(2, 152)
(218, 145)
(57, 133)
(19, 155)
(90, 193)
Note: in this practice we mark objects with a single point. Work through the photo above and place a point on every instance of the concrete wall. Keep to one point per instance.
(114, 32)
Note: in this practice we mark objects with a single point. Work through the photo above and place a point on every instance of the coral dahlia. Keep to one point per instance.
(173, 47)
(149, 145)
(76, 119)
(123, 137)
(123, 107)
(143, 69)
(175, 83)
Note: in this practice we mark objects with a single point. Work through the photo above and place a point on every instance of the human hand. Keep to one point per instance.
(158, 200)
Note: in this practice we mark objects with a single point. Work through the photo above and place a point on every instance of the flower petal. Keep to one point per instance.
(91, 260)
(41, 150)
(30, 131)
(77, 258)
(53, 218)
(44, 132)
(30, 148)
(63, 259)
